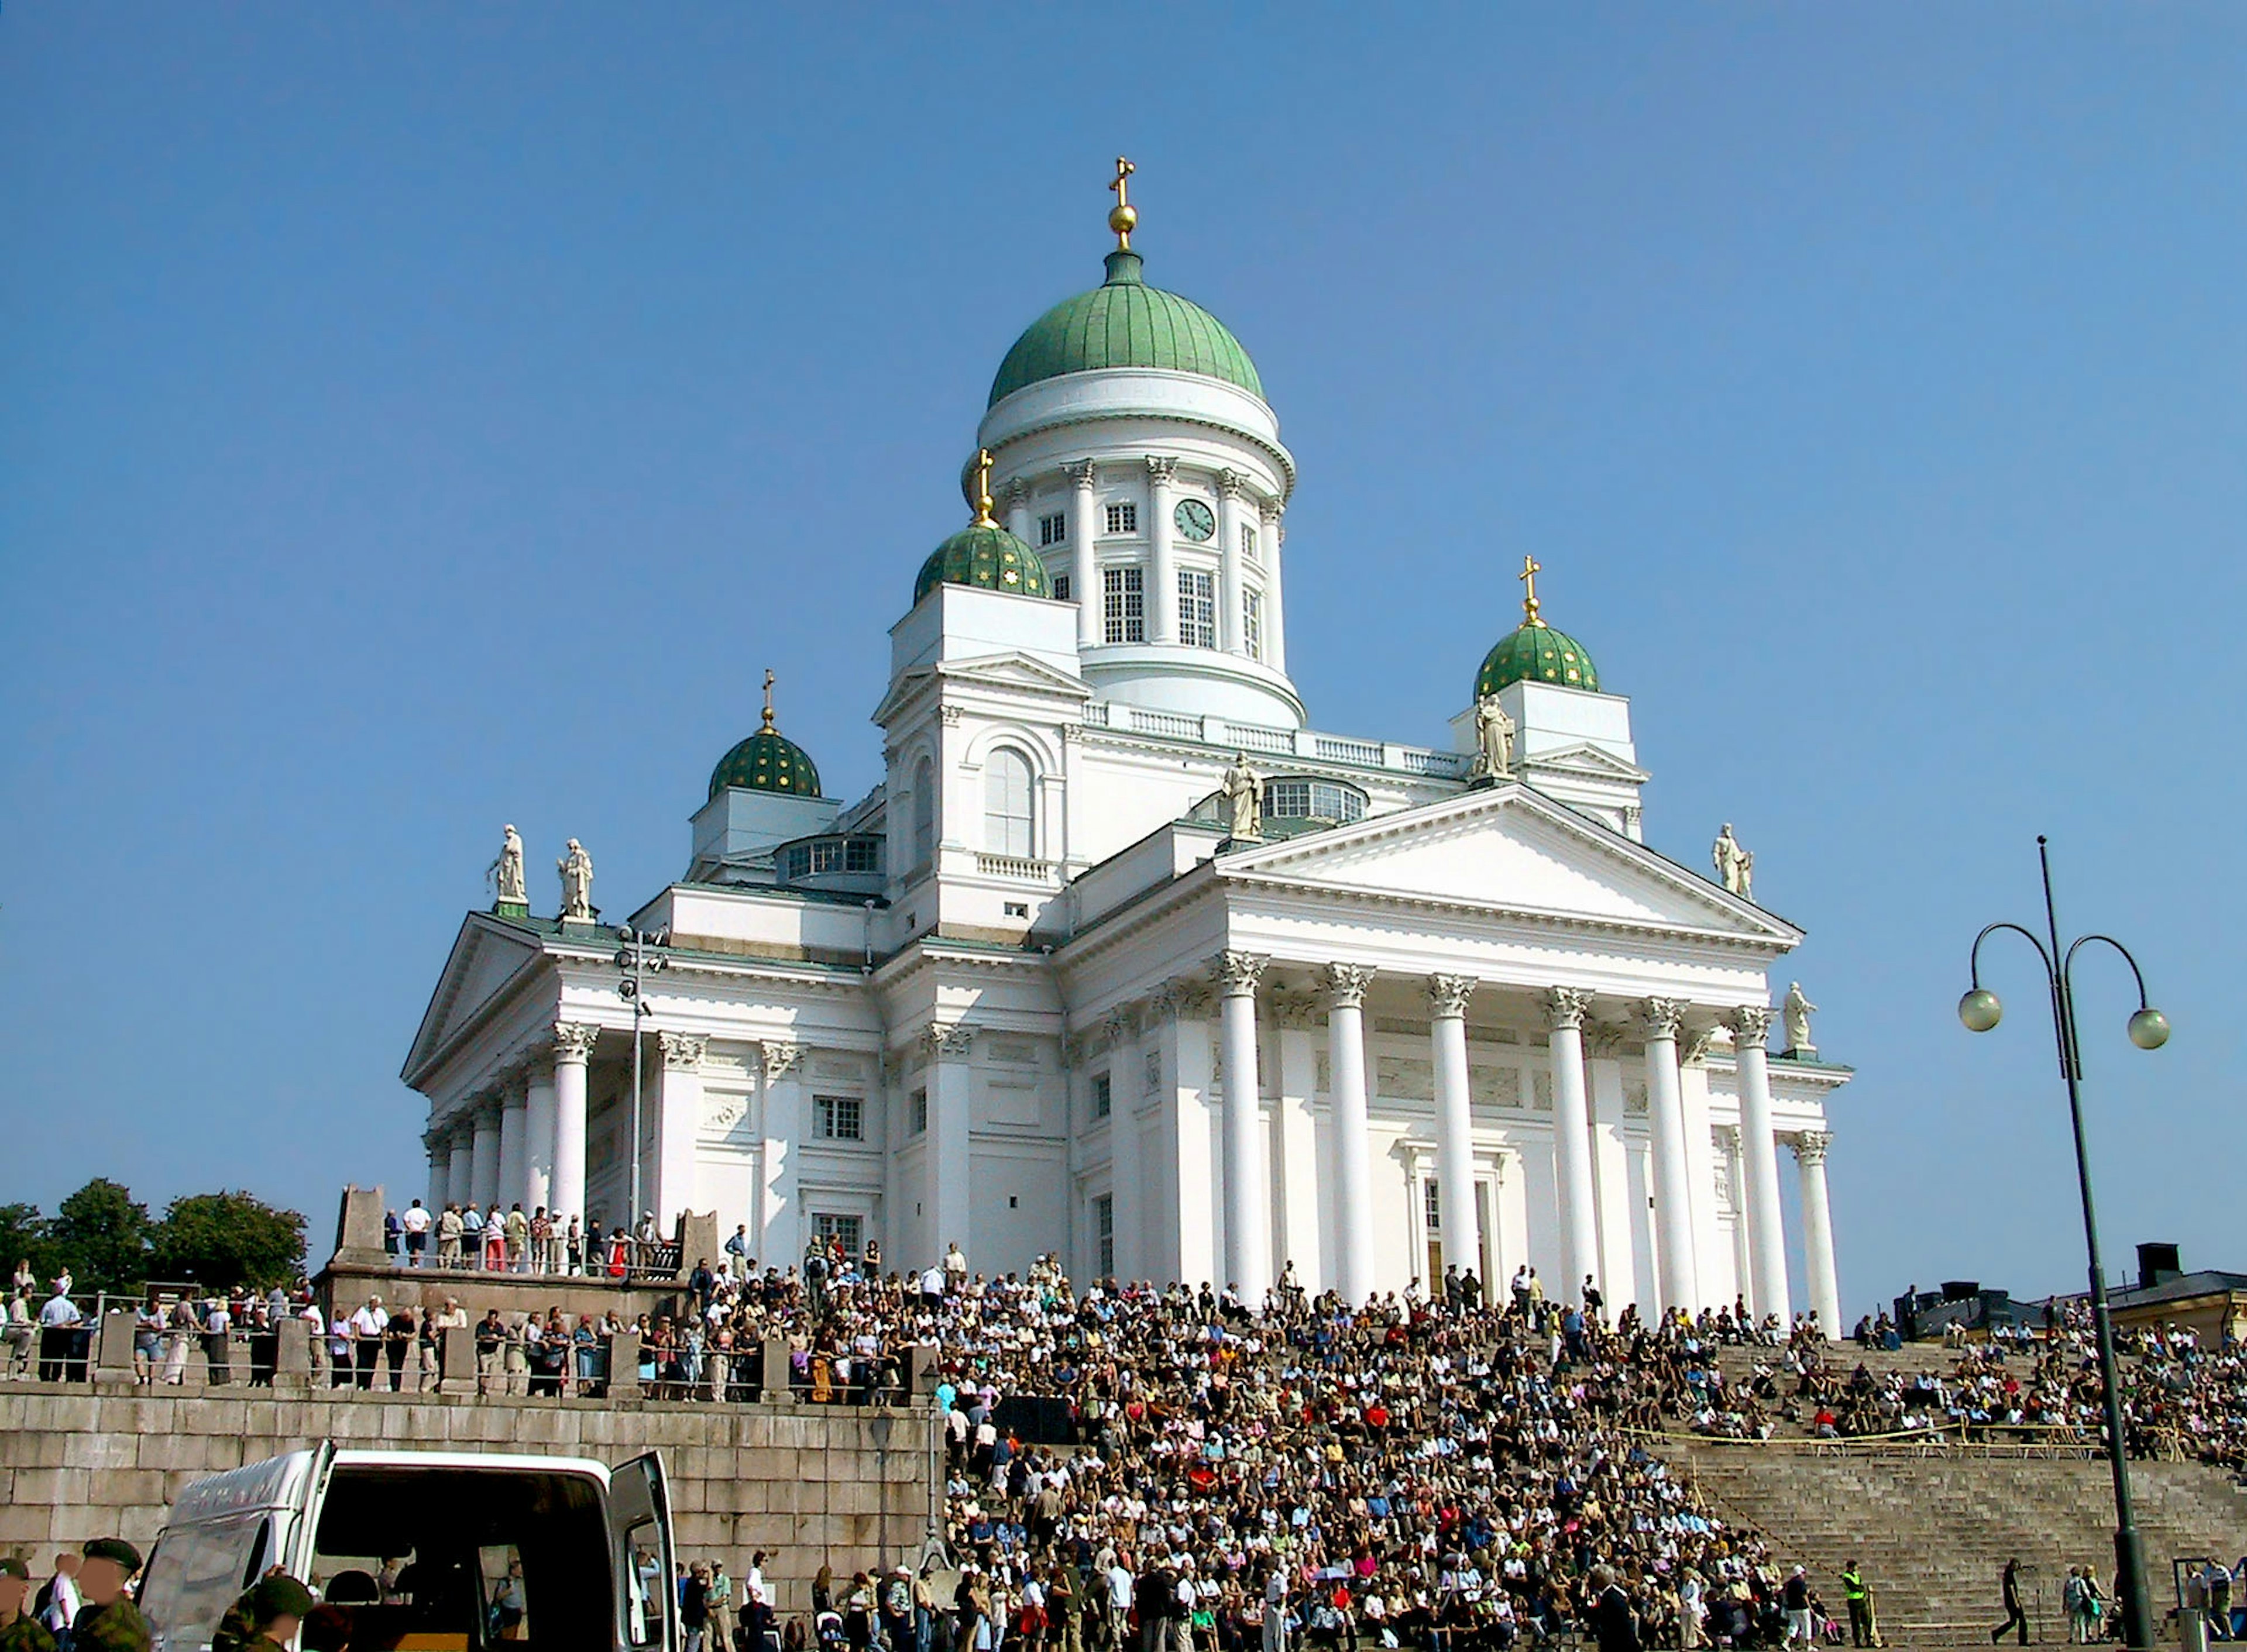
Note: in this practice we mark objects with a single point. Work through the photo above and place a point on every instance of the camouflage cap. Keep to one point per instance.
(113, 1548)
(279, 1597)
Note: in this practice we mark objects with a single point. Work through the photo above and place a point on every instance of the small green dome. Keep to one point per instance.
(767, 761)
(1534, 652)
(986, 554)
(1125, 323)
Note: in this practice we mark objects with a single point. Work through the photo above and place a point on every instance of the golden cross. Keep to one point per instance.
(1530, 568)
(1125, 217)
(983, 490)
(769, 688)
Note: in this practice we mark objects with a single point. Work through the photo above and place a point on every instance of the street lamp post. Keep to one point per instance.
(2148, 1030)
(639, 956)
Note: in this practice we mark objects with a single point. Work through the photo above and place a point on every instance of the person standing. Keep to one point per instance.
(58, 1600)
(518, 1239)
(1859, 1602)
(367, 1326)
(719, 1599)
(218, 1337)
(2009, 1587)
(450, 1227)
(415, 1223)
(1794, 1600)
(1615, 1625)
(108, 1621)
(58, 1323)
(1276, 1609)
(19, 1630)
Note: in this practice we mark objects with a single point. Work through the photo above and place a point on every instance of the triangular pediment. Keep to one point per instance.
(1508, 850)
(486, 957)
(1012, 674)
(1589, 761)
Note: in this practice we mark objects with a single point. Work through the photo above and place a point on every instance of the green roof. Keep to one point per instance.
(1535, 652)
(767, 761)
(1125, 323)
(985, 555)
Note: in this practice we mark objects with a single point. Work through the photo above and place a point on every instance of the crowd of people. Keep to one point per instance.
(467, 1237)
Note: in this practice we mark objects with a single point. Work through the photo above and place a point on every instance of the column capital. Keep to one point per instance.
(1602, 1038)
(780, 1059)
(1810, 1145)
(1662, 1016)
(1231, 483)
(1297, 1009)
(1161, 468)
(1726, 1137)
(1345, 985)
(1448, 995)
(1749, 1023)
(1693, 1045)
(1120, 1024)
(1566, 1006)
(1271, 511)
(1018, 494)
(1179, 1002)
(682, 1051)
(940, 1041)
(1081, 472)
(574, 1041)
(1238, 972)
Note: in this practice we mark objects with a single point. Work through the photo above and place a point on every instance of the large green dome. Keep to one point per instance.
(1534, 652)
(1125, 323)
(985, 555)
(767, 761)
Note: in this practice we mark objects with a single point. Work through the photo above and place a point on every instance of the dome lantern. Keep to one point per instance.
(767, 761)
(1534, 652)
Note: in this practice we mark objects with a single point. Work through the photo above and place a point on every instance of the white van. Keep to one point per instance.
(429, 1551)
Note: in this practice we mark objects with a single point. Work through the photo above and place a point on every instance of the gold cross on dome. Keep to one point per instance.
(1530, 568)
(1125, 217)
(983, 518)
(769, 688)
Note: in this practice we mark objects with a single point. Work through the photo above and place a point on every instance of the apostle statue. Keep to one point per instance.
(1794, 1011)
(1493, 740)
(505, 874)
(1735, 865)
(1243, 791)
(577, 869)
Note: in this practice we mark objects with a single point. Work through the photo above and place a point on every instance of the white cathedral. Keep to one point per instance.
(1126, 961)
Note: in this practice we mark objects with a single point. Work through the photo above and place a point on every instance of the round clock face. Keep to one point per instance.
(1194, 519)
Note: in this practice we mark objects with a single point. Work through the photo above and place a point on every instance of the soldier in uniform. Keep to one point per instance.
(19, 1630)
(265, 1618)
(109, 1622)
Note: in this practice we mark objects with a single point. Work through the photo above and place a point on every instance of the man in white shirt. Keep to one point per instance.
(58, 1322)
(367, 1329)
(415, 1223)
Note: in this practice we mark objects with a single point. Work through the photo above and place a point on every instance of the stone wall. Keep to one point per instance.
(843, 1486)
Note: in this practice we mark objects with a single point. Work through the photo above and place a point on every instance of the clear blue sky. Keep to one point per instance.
(415, 418)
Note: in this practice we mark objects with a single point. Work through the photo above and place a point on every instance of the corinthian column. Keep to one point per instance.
(1231, 484)
(1673, 1210)
(1572, 1138)
(1353, 1152)
(1760, 1153)
(1084, 561)
(1161, 564)
(1247, 1202)
(573, 1048)
(1818, 1231)
(1275, 616)
(540, 1109)
(1455, 1188)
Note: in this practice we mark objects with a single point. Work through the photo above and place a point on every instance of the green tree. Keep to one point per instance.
(24, 1237)
(228, 1239)
(101, 1233)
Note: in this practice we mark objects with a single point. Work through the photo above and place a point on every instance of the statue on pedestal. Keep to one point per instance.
(577, 869)
(1795, 1011)
(1243, 791)
(505, 874)
(1493, 741)
(1735, 865)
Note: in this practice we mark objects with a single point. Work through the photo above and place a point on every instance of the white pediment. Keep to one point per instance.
(1009, 673)
(1510, 851)
(486, 959)
(1589, 762)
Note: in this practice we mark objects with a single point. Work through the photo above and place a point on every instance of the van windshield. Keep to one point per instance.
(463, 1560)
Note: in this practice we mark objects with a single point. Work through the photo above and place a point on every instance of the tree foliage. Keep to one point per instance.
(228, 1239)
(101, 1233)
(23, 1238)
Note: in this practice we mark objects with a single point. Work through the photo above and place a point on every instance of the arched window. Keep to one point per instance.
(924, 814)
(1009, 826)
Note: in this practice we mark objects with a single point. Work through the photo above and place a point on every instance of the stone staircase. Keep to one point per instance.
(1934, 1532)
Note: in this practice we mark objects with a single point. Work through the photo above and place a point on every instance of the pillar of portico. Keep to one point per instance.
(1572, 1139)
(1818, 1231)
(440, 1167)
(1297, 1192)
(1231, 485)
(485, 1190)
(1126, 1176)
(1353, 1152)
(1247, 1200)
(781, 1109)
(1455, 1194)
(461, 1175)
(679, 1118)
(1675, 1262)
(1760, 1152)
(1162, 562)
(573, 1048)
(1275, 621)
(513, 1129)
(541, 1109)
(950, 1165)
(1084, 562)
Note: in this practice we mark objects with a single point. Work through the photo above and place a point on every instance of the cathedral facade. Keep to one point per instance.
(1126, 960)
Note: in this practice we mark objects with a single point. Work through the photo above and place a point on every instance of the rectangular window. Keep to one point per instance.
(1252, 623)
(799, 862)
(1126, 619)
(863, 855)
(838, 1118)
(1054, 529)
(1431, 1212)
(919, 1112)
(842, 1230)
(1017, 909)
(1103, 1094)
(826, 856)
(1062, 589)
(1197, 609)
(1103, 1232)
(1248, 542)
(1122, 519)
